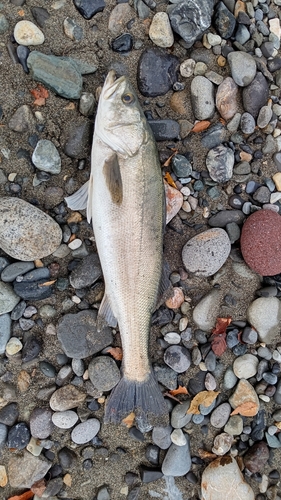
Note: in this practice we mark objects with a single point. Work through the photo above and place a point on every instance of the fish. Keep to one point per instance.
(125, 201)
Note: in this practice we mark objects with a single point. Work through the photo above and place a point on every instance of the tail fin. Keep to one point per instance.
(143, 398)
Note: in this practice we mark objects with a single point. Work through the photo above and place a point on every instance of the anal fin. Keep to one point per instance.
(105, 315)
(79, 199)
(165, 290)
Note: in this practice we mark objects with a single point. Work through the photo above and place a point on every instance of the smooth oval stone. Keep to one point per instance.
(245, 366)
(202, 98)
(243, 67)
(247, 123)
(66, 398)
(27, 233)
(9, 299)
(10, 272)
(264, 315)
(177, 461)
(220, 415)
(41, 423)
(65, 419)
(27, 33)
(205, 253)
(207, 309)
(179, 416)
(161, 436)
(261, 242)
(160, 31)
(178, 358)
(84, 432)
(224, 217)
(219, 162)
(104, 373)
(226, 98)
(255, 95)
(157, 72)
(46, 157)
(223, 479)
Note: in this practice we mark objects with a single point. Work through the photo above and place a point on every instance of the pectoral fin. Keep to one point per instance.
(105, 315)
(111, 171)
(78, 200)
(165, 290)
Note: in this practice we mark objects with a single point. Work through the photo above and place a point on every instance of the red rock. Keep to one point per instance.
(261, 242)
(226, 98)
(256, 457)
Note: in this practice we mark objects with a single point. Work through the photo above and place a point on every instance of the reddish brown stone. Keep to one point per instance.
(256, 457)
(261, 242)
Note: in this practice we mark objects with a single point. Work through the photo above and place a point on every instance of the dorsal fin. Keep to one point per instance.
(79, 199)
(112, 174)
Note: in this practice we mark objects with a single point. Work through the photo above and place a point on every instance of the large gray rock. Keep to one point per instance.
(243, 67)
(206, 311)
(202, 98)
(27, 233)
(190, 18)
(264, 315)
(25, 470)
(177, 461)
(255, 95)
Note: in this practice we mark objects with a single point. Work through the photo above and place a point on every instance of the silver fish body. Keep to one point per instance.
(125, 203)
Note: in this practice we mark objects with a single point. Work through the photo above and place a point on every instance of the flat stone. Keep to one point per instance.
(245, 366)
(179, 416)
(9, 414)
(206, 311)
(219, 162)
(205, 253)
(104, 373)
(190, 19)
(89, 8)
(224, 217)
(9, 300)
(244, 393)
(264, 315)
(46, 157)
(65, 419)
(255, 95)
(27, 233)
(213, 136)
(27, 33)
(18, 436)
(161, 436)
(41, 423)
(223, 479)
(79, 336)
(178, 358)
(177, 461)
(66, 398)
(24, 471)
(10, 272)
(87, 272)
(243, 68)
(220, 415)
(174, 201)
(40, 15)
(84, 432)
(157, 72)
(22, 120)
(234, 426)
(256, 457)
(160, 31)
(165, 130)
(226, 98)
(202, 98)
(261, 242)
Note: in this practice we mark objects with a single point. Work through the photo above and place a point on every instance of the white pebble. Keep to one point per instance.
(172, 338)
(27, 33)
(73, 245)
(65, 419)
(183, 324)
(75, 299)
(185, 191)
(264, 398)
(13, 346)
(178, 437)
(187, 68)
(186, 206)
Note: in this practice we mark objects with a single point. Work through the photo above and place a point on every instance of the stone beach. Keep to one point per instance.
(208, 77)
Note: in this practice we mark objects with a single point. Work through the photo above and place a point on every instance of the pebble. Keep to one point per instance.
(84, 432)
(174, 201)
(264, 315)
(247, 123)
(243, 393)
(187, 68)
(89, 8)
(24, 477)
(256, 457)
(10, 272)
(87, 272)
(4, 24)
(181, 166)
(219, 162)
(79, 336)
(22, 120)
(27, 233)
(178, 358)
(40, 15)
(31, 349)
(157, 72)
(243, 68)
(224, 20)
(178, 437)
(190, 19)
(27, 33)
(272, 441)
(87, 103)
(226, 98)
(41, 423)
(13, 346)
(9, 414)
(46, 157)
(255, 95)
(66, 398)
(261, 231)
(245, 366)
(3, 473)
(206, 311)
(223, 479)
(72, 29)
(9, 299)
(47, 369)
(123, 43)
(277, 395)
(205, 253)
(202, 98)
(179, 416)
(18, 436)
(220, 415)
(177, 461)
(222, 443)
(149, 474)
(249, 335)
(160, 31)
(213, 136)
(234, 426)
(3, 434)
(161, 436)
(104, 373)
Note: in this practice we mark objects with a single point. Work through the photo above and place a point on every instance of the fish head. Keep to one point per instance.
(120, 121)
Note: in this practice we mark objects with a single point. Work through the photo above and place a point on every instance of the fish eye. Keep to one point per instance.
(128, 98)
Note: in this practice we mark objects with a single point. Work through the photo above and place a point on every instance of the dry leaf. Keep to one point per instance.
(67, 480)
(218, 337)
(247, 409)
(24, 496)
(204, 454)
(48, 283)
(202, 398)
(219, 345)
(278, 425)
(200, 126)
(221, 325)
(40, 94)
(179, 390)
(70, 106)
(21, 13)
(167, 162)
(168, 178)
(116, 353)
(129, 420)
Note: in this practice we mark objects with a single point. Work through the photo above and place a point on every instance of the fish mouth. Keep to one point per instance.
(111, 84)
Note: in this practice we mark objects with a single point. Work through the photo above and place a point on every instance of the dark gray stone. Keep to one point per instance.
(87, 272)
(213, 136)
(157, 72)
(77, 143)
(165, 130)
(224, 20)
(255, 95)
(104, 373)
(41, 424)
(18, 436)
(190, 18)
(9, 414)
(225, 217)
(88, 8)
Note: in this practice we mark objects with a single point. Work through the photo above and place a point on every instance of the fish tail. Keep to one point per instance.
(143, 398)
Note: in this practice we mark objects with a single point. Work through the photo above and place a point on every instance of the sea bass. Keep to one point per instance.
(124, 198)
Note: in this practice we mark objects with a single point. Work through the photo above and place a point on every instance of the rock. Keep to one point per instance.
(77, 139)
(178, 358)
(22, 120)
(157, 72)
(79, 336)
(243, 68)
(245, 366)
(87, 272)
(226, 98)
(72, 29)
(161, 436)
(190, 19)
(46, 157)
(224, 20)
(222, 443)
(256, 457)
(247, 123)
(213, 136)
(220, 415)
(261, 242)
(123, 43)
(177, 461)
(27, 233)
(64, 419)
(10, 272)
(179, 416)
(40, 15)
(224, 217)
(88, 8)
(206, 311)
(222, 479)
(264, 315)
(4, 24)
(277, 395)
(181, 166)
(27, 33)
(58, 74)
(66, 398)
(9, 414)
(244, 393)
(160, 31)
(234, 426)
(219, 162)
(178, 437)
(255, 95)
(13, 346)
(164, 130)
(202, 98)
(187, 68)
(87, 102)
(9, 300)
(166, 376)
(41, 423)
(18, 436)
(149, 474)
(119, 17)
(84, 432)
(24, 471)
(103, 373)
(205, 253)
